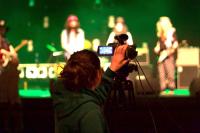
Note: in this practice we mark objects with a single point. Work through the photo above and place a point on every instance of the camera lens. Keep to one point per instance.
(131, 52)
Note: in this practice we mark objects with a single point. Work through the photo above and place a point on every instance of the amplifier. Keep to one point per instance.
(140, 83)
(185, 75)
(188, 56)
(38, 75)
(143, 54)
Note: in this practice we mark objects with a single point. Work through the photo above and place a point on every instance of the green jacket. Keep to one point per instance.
(81, 112)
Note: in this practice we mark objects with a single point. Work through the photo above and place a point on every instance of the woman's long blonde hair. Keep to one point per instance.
(163, 26)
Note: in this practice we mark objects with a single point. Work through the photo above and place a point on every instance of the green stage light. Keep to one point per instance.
(177, 92)
(31, 3)
(35, 93)
(97, 2)
(51, 48)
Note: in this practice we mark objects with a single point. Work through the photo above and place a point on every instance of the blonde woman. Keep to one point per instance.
(165, 49)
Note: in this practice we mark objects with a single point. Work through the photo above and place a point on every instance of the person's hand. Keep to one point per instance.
(9, 56)
(118, 59)
(157, 48)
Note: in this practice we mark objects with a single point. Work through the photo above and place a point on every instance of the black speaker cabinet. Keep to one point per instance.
(195, 87)
(140, 82)
(185, 75)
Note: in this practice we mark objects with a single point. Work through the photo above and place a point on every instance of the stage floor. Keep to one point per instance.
(167, 113)
(45, 93)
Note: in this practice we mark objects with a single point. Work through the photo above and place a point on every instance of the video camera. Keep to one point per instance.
(122, 92)
(131, 52)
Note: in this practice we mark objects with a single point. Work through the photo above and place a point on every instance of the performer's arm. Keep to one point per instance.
(130, 39)
(13, 56)
(111, 38)
(81, 39)
(157, 48)
(64, 40)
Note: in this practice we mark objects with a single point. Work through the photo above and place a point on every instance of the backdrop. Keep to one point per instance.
(25, 19)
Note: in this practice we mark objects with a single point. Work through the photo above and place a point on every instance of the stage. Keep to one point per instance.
(178, 113)
(45, 93)
(42, 59)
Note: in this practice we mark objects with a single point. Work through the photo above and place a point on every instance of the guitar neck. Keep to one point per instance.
(18, 48)
(22, 44)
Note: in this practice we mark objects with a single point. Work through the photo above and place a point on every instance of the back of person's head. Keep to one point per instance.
(81, 70)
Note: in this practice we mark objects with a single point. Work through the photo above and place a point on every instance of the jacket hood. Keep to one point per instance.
(66, 101)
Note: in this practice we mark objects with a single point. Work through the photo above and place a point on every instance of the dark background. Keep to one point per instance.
(25, 20)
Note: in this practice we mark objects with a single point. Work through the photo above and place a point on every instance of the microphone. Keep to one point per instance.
(121, 38)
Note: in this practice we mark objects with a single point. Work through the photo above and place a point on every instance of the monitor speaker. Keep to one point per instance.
(141, 86)
(185, 75)
(195, 87)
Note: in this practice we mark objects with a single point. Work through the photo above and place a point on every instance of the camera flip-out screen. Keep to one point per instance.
(105, 50)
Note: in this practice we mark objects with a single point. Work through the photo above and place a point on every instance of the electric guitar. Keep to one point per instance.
(5, 55)
(164, 54)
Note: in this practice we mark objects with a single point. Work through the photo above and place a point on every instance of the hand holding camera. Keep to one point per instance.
(130, 52)
(118, 59)
(121, 53)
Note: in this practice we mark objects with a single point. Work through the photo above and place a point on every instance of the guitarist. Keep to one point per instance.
(165, 48)
(10, 104)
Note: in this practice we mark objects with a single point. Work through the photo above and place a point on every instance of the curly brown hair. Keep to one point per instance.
(81, 70)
